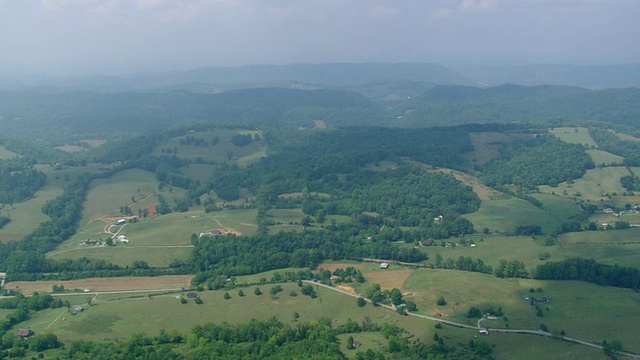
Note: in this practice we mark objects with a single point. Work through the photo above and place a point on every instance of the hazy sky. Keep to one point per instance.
(121, 36)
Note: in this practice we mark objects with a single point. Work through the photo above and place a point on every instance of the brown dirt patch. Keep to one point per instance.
(105, 284)
(388, 279)
(347, 288)
(334, 266)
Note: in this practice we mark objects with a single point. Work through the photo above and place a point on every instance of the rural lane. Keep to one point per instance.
(465, 326)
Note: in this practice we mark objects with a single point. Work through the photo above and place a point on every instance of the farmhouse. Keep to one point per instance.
(384, 265)
(121, 222)
(483, 332)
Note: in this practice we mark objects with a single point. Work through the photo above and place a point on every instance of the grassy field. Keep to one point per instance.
(125, 255)
(105, 284)
(626, 137)
(590, 312)
(601, 157)
(486, 146)
(202, 172)
(155, 239)
(115, 317)
(106, 196)
(6, 154)
(593, 186)
(123, 317)
(462, 290)
(561, 208)
(576, 135)
(484, 192)
(505, 215)
(491, 249)
(27, 216)
(223, 152)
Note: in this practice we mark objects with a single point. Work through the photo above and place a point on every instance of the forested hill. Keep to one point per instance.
(23, 113)
(450, 105)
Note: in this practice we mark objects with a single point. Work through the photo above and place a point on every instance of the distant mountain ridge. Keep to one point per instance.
(586, 76)
(214, 79)
(450, 105)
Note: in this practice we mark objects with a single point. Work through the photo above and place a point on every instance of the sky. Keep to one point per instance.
(72, 37)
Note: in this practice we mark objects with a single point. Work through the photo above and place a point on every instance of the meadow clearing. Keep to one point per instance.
(222, 152)
(505, 215)
(574, 135)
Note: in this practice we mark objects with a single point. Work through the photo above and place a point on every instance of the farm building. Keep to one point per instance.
(384, 265)
(121, 222)
(24, 333)
(483, 332)
(121, 238)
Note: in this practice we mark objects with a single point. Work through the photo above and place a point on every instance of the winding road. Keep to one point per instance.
(465, 326)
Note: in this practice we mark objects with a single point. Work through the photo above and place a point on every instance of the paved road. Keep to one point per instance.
(465, 326)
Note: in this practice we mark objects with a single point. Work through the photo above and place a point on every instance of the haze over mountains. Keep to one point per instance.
(339, 75)
(339, 94)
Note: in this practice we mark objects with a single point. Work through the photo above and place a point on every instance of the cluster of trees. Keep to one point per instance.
(608, 141)
(18, 181)
(540, 160)
(4, 220)
(463, 263)
(240, 255)
(198, 141)
(589, 270)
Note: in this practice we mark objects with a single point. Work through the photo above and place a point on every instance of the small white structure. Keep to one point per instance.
(483, 332)
(121, 238)
(384, 265)
(121, 222)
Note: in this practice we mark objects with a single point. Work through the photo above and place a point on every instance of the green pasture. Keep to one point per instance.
(574, 135)
(486, 146)
(462, 290)
(506, 214)
(621, 254)
(589, 312)
(286, 216)
(151, 239)
(256, 278)
(605, 237)
(223, 152)
(6, 154)
(561, 208)
(118, 316)
(202, 172)
(626, 137)
(125, 254)
(27, 216)
(601, 157)
(122, 318)
(491, 249)
(620, 247)
(593, 186)
(369, 340)
(106, 196)
(531, 347)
